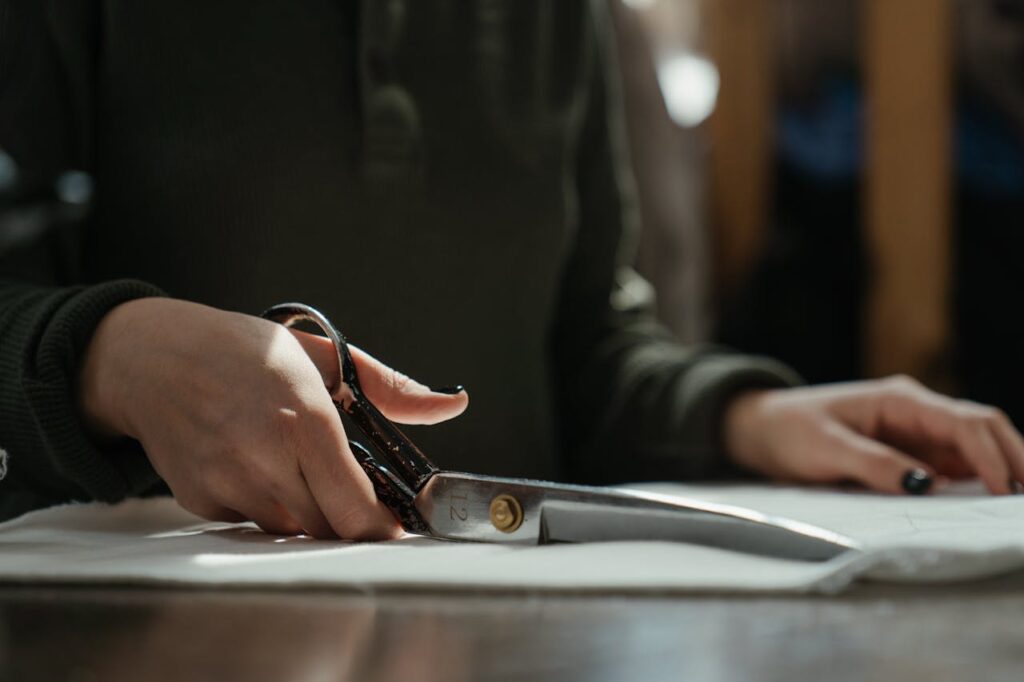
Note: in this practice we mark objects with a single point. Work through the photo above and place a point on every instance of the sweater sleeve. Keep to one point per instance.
(634, 403)
(46, 321)
(50, 457)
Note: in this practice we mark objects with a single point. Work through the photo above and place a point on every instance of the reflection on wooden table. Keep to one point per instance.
(876, 633)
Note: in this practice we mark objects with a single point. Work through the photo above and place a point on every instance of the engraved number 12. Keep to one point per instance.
(457, 512)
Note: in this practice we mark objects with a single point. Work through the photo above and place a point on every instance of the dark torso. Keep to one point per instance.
(406, 167)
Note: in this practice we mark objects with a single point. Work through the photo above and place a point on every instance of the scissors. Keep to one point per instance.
(471, 507)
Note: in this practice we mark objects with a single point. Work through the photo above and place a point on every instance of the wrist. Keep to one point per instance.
(742, 428)
(102, 381)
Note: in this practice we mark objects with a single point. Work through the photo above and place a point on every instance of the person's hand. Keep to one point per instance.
(234, 414)
(890, 435)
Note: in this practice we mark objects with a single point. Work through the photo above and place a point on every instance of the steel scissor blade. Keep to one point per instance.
(460, 507)
(767, 536)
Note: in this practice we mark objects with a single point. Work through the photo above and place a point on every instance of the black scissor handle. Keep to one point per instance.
(290, 314)
(404, 469)
(390, 490)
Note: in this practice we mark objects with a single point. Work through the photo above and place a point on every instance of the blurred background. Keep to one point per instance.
(836, 183)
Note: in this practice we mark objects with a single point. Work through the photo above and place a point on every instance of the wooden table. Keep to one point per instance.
(874, 633)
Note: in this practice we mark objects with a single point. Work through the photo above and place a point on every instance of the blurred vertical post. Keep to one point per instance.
(740, 41)
(908, 78)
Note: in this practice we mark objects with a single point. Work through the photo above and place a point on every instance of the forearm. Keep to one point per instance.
(636, 405)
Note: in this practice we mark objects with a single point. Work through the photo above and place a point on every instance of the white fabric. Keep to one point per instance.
(956, 536)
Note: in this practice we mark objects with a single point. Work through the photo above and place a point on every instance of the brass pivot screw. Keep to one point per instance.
(506, 514)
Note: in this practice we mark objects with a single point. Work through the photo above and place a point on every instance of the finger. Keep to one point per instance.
(1012, 444)
(321, 351)
(949, 422)
(966, 427)
(986, 455)
(339, 487)
(300, 504)
(878, 466)
(399, 397)
(948, 462)
(267, 492)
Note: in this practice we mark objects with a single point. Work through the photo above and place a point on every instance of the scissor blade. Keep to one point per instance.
(460, 507)
(767, 536)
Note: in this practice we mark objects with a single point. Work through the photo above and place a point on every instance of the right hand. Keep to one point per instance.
(233, 413)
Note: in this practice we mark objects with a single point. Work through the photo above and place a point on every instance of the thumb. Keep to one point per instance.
(879, 466)
(399, 397)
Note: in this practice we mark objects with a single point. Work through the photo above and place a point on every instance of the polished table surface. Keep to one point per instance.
(875, 632)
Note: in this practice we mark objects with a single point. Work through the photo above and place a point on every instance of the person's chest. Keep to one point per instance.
(407, 167)
(257, 129)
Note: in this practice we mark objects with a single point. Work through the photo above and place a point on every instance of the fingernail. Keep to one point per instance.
(1014, 487)
(917, 481)
(449, 390)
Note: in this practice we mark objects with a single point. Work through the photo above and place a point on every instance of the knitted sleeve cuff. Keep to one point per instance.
(50, 386)
(709, 388)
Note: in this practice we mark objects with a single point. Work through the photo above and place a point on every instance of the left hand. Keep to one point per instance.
(892, 435)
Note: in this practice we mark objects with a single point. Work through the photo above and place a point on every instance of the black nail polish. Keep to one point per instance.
(449, 390)
(917, 481)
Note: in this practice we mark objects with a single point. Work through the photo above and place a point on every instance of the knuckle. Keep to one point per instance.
(397, 381)
(287, 423)
(975, 415)
(324, 420)
(283, 339)
(299, 430)
(992, 413)
(903, 384)
(989, 415)
(1002, 417)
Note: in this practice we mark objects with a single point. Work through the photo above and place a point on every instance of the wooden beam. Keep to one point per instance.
(740, 40)
(908, 76)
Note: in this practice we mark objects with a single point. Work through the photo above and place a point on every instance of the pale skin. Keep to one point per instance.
(233, 413)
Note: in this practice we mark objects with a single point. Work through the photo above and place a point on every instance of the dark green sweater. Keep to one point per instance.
(446, 180)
